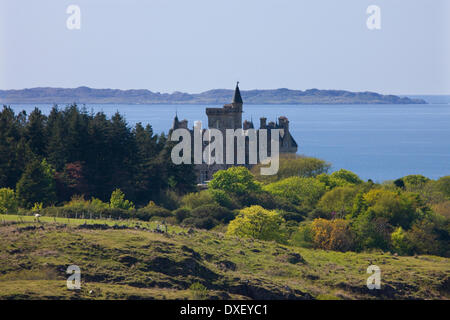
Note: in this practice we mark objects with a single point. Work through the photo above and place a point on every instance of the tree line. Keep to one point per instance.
(49, 159)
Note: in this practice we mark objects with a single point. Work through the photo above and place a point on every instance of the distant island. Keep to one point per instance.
(84, 95)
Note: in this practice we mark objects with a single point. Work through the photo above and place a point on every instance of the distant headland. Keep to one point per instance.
(86, 95)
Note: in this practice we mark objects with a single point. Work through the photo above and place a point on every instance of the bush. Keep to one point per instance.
(304, 237)
(338, 202)
(400, 242)
(198, 291)
(118, 201)
(259, 223)
(299, 191)
(430, 236)
(332, 234)
(197, 199)
(208, 216)
(222, 198)
(371, 231)
(181, 214)
(8, 201)
(169, 199)
(152, 210)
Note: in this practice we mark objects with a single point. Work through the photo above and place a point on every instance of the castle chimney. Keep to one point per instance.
(262, 123)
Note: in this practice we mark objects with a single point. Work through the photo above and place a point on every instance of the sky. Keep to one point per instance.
(197, 45)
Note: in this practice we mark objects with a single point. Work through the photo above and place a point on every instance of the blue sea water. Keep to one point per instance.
(378, 142)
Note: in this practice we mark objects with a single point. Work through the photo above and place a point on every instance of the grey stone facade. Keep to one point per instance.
(230, 117)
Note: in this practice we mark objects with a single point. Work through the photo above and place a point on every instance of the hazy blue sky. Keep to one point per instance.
(196, 45)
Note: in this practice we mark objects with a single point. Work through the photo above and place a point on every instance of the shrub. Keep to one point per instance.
(197, 199)
(339, 201)
(198, 291)
(181, 214)
(152, 210)
(118, 201)
(371, 231)
(259, 223)
(299, 191)
(209, 216)
(8, 201)
(222, 198)
(169, 199)
(98, 204)
(332, 234)
(400, 243)
(304, 237)
(430, 236)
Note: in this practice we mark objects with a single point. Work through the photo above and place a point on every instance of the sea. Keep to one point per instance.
(378, 142)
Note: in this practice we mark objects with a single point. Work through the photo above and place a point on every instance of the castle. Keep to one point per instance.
(230, 117)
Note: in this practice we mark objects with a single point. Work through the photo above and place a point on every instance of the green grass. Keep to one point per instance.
(138, 263)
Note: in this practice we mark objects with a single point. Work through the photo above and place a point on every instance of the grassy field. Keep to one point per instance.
(131, 260)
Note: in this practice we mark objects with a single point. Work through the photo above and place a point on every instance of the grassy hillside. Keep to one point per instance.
(130, 260)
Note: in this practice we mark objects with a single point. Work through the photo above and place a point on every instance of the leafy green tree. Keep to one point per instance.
(258, 223)
(359, 205)
(118, 201)
(398, 208)
(339, 200)
(8, 201)
(347, 176)
(37, 184)
(371, 231)
(236, 180)
(294, 166)
(415, 181)
(300, 191)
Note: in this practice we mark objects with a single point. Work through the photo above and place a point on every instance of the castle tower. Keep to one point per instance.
(237, 99)
(229, 116)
